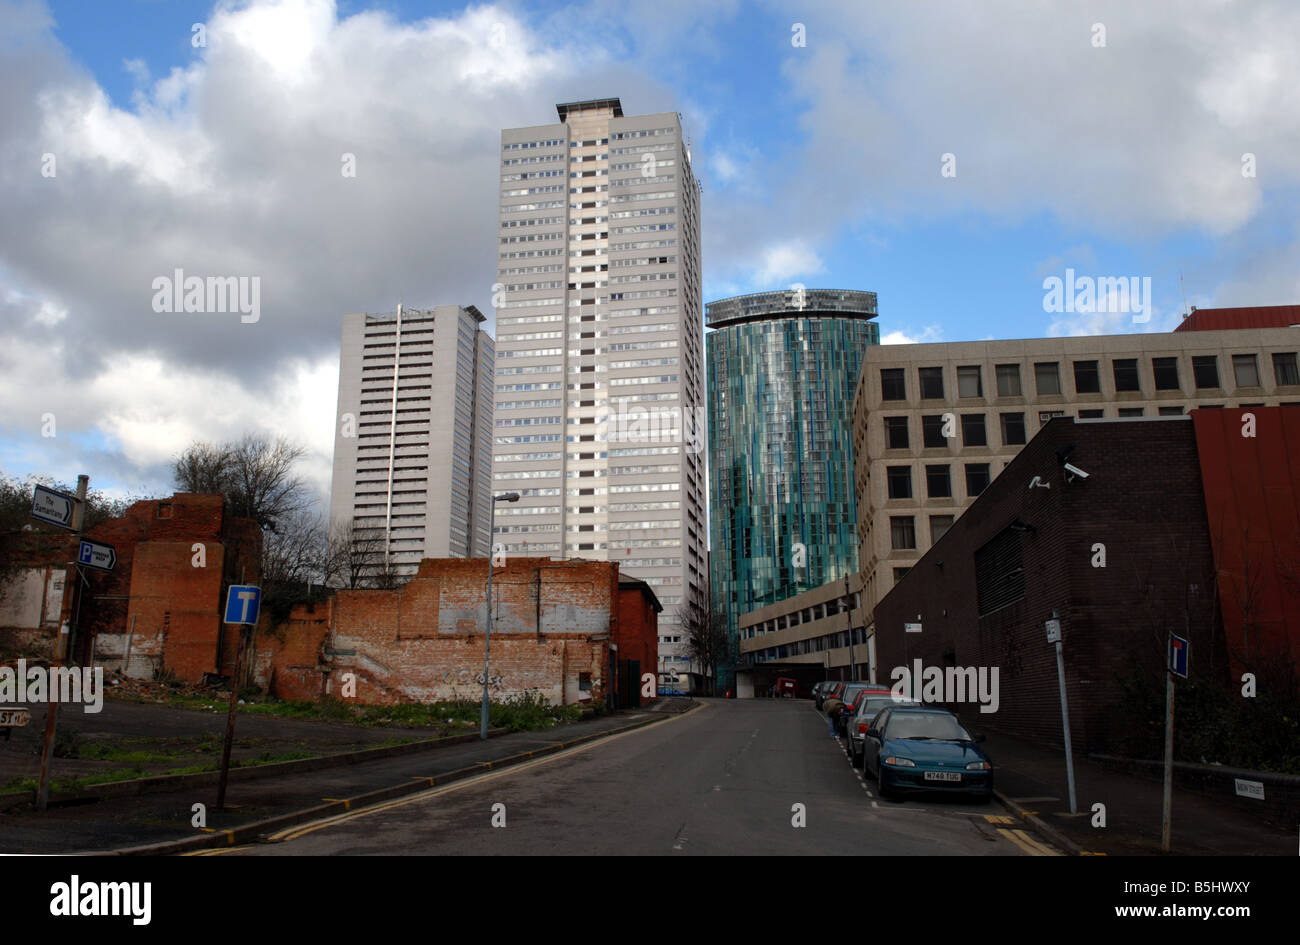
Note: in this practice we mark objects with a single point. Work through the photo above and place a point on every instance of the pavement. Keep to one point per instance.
(101, 824)
(1032, 779)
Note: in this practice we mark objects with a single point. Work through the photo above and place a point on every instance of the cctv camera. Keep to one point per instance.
(1075, 471)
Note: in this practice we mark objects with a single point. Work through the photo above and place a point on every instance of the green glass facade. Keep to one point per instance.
(783, 367)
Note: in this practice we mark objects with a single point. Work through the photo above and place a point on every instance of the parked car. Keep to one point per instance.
(785, 688)
(847, 695)
(868, 705)
(820, 691)
(921, 748)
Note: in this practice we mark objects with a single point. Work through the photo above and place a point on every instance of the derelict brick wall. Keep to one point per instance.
(290, 659)
(1142, 502)
(424, 641)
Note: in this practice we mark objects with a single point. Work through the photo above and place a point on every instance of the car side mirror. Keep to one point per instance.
(873, 732)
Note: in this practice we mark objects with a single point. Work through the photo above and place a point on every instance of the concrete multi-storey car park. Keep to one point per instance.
(599, 372)
(912, 481)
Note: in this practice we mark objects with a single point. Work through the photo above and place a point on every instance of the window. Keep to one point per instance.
(900, 482)
(931, 383)
(1126, 374)
(900, 573)
(902, 532)
(972, 430)
(584, 682)
(1091, 414)
(977, 478)
(1008, 380)
(1013, 429)
(1171, 411)
(1130, 411)
(1166, 373)
(896, 433)
(938, 482)
(999, 572)
(1285, 370)
(1045, 415)
(892, 385)
(1086, 380)
(939, 525)
(969, 381)
(1205, 371)
(1246, 370)
(1047, 376)
(932, 430)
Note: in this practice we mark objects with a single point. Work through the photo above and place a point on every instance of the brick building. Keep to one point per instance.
(159, 609)
(569, 631)
(1035, 543)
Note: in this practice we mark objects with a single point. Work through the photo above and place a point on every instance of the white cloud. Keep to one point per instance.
(928, 334)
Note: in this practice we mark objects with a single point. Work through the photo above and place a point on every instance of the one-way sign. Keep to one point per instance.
(94, 555)
(54, 507)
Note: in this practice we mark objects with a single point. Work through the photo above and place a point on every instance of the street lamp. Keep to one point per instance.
(487, 640)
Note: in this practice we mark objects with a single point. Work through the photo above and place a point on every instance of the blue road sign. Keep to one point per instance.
(242, 603)
(96, 555)
(1179, 651)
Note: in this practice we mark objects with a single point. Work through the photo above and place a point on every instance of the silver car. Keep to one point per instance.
(868, 708)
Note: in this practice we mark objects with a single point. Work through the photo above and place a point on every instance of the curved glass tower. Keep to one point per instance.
(783, 367)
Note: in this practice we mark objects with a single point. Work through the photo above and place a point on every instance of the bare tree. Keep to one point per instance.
(705, 629)
(298, 552)
(203, 468)
(356, 557)
(256, 474)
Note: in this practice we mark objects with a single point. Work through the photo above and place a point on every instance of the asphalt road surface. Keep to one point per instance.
(732, 777)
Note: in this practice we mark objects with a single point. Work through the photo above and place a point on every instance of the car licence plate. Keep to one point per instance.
(942, 776)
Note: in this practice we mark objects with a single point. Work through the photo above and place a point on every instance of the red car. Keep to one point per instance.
(785, 688)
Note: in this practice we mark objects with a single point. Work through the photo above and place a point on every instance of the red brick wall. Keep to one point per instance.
(424, 642)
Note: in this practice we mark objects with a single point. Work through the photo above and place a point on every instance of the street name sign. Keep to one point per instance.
(50, 505)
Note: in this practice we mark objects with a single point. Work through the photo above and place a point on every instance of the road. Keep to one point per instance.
(722, 779)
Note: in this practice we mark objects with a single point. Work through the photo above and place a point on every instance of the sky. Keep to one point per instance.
(950, 157)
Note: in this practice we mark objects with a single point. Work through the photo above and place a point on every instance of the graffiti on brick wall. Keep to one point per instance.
(466, 676)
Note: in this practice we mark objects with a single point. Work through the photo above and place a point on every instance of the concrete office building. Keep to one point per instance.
(599, 377)
(934, 423)
(783, 367)
(412, 458)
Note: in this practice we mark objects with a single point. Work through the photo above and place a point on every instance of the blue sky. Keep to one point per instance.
(821, 165)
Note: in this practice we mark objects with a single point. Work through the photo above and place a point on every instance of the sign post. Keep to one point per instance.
(1179, 656)
(243, 601)
(66, 512)
(1054, 637)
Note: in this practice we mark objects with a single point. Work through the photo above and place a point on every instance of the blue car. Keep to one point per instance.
(916, 748)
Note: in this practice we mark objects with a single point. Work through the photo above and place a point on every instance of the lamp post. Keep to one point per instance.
(487, 640)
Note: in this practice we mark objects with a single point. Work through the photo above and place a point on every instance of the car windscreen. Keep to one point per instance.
(925, 725)
(874, 704)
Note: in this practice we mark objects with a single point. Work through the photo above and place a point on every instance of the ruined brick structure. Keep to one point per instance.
(563, 630)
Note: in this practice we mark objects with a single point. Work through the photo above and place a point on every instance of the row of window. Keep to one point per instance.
(1087, 376)
(938, 480)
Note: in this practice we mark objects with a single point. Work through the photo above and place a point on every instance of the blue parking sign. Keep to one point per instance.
(242, 603)
(1179, 651)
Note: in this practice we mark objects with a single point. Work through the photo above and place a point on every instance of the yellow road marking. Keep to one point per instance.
(998, 819)
(293, 833)
(1026, 842)
(216, 852)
